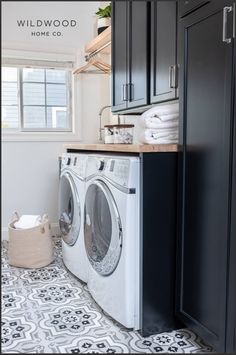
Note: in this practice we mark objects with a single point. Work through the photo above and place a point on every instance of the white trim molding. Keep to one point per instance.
(54, 136)
(4, 233)
(39, 137)
(19, 54)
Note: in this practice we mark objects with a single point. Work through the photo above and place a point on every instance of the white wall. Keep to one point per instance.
(72, 38)
(30, 168)
(30, 178)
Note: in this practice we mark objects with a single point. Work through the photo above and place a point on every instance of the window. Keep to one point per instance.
(36, 99)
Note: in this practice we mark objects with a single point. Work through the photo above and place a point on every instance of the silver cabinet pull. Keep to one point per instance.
(173, 82)
(125, 92)
(226, 10)
(176, 76)
(131, 92)
(170, 76)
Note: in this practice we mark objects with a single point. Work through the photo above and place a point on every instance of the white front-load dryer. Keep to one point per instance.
(71, 213)
(112, 235)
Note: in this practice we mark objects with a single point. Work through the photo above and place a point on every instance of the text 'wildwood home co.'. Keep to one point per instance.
(41, 26)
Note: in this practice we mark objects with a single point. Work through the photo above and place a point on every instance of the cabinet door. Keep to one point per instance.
(119, 55)
(205, 103)
(186, 6)
(163, 51)
(158, 208)
(138, 53)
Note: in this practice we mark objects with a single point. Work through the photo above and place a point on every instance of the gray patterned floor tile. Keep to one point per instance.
(48, 310)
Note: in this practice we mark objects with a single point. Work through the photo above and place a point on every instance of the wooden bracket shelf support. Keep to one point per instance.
(99, 42)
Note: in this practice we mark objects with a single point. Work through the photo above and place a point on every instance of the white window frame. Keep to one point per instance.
(23, 58)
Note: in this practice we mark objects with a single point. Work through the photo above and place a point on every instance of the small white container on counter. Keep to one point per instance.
(109, 134)
(123, 134)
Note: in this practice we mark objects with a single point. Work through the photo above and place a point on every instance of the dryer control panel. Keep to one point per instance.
(116, 169)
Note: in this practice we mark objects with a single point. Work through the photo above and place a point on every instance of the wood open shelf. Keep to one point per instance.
(99, 41)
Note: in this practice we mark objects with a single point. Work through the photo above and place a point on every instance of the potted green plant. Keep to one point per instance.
(104, 18)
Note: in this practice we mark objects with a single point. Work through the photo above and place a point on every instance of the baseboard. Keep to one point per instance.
(54, 226)
(4, 235)
(55, 229)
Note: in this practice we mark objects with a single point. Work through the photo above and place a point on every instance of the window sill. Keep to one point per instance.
(39, 136)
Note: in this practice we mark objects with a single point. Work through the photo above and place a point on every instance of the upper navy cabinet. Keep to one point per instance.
(187, 6)
(130, 53)
(207, 178)
(164, 68)
(144, 52)
(119, 54)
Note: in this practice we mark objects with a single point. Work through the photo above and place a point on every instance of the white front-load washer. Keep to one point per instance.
(71, 213)
(112, 235)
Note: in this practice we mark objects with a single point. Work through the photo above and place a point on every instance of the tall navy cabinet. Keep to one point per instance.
(207, 214)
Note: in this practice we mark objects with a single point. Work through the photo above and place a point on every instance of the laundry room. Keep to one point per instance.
(118, 176)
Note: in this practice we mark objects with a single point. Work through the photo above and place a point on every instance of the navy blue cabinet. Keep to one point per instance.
(164, 68)
(119, 55)
(130, 54)
(206, 243)
(144, 54)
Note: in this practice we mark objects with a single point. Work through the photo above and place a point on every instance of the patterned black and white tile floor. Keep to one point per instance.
(49, 311)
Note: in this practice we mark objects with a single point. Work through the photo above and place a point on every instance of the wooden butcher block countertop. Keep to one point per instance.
(125, 148)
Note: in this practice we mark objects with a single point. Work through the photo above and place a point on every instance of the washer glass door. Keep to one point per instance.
(102, 229)
(69, 209)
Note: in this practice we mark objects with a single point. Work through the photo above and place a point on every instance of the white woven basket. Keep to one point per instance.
(32, 247)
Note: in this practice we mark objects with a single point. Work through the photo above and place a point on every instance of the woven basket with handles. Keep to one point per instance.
(31, 247)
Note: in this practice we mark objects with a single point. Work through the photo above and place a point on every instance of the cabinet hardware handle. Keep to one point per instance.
(173, 82)
(131, 92)
(125, 95)
(175, 74)
(170, 77)
(226, 10)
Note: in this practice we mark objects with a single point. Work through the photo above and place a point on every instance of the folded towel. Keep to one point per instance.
(159, 122)
(154, 136)
(162, 110)
(28, 221)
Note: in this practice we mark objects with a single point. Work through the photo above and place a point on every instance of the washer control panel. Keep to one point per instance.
(74, 162)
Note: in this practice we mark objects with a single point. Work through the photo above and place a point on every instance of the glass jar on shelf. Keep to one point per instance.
(123, 133)
(109, 134)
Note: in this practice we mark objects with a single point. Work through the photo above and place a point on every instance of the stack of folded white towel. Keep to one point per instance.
(28, 221)
(160, 124)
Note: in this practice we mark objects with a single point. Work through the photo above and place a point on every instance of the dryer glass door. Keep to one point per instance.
(69, 209)
(102, 229)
